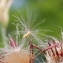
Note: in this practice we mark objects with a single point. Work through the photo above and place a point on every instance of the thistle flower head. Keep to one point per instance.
(14, 53)
(54, 52)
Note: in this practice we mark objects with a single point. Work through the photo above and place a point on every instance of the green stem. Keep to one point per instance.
(3, 34)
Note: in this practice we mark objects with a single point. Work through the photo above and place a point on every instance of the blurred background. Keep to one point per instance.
(51, 10)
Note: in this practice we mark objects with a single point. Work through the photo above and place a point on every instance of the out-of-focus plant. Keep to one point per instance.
(4, 11)
(4, 16)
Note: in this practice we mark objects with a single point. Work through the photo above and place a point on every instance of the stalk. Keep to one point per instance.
(4, 17)
(3, 35)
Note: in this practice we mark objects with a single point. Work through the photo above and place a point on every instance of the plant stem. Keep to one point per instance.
(3, 34)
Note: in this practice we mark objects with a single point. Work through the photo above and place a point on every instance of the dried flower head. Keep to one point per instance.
(15, 53)
(54, 52)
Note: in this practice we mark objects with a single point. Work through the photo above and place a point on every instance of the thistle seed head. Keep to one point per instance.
(54, 52)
